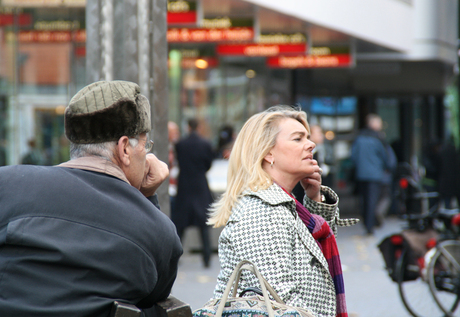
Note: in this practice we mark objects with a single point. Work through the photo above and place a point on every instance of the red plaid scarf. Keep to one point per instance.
(325, 239)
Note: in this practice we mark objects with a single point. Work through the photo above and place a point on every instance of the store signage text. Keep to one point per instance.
(329, 50)
(310, 61)
(175, 35)
(60, 25)
(260, 49)
(190, 53)
(52, 36)
(216, 23)
(226, 22)
(181, 11)
(282, 38)
(180, 6)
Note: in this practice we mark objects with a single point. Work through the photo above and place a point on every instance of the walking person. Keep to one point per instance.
(371, 160)
(194, 156)
(386, 193)
(80, 235)
(292, 244)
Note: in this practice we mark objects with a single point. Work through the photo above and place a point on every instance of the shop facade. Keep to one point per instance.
(229, 59)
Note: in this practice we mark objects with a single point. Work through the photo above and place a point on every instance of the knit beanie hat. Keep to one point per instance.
(105, 111)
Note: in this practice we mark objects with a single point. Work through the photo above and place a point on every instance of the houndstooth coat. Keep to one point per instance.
(264, 228)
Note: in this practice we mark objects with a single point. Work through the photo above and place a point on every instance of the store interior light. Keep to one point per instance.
(250, 73)
(60, 110)
(330, 135)
(201, 63)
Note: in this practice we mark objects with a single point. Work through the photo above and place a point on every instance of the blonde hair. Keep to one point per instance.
(253, 143)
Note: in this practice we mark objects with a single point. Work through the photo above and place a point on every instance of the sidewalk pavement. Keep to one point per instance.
(368, 288)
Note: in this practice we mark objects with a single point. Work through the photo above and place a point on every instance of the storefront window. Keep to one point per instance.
(216, 92)
(42, 54)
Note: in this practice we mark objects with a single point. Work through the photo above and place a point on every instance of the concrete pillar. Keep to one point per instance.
(93, 42)
(106, 38)
(159, 89)
(126, 40)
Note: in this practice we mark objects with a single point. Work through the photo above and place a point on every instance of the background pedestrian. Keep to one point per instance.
(194, 157)
(371, 160)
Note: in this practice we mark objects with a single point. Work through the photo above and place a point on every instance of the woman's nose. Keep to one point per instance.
(310, 145)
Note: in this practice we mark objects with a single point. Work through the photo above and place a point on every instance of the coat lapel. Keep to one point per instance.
(275, 195)
(310, 243)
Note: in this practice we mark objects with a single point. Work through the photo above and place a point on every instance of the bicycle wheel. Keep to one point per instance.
(415, 294)
(444, 275)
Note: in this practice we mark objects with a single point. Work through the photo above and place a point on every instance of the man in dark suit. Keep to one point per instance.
(194, 156)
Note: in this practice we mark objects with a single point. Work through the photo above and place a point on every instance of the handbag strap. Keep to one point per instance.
(270, 289)
(244, 265)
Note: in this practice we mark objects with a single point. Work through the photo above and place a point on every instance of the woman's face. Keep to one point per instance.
(292, 154)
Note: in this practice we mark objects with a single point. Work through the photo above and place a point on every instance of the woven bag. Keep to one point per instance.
(253, 306)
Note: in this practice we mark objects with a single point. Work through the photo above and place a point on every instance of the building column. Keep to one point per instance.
(158, 93)
(126, 40)
(406, 128)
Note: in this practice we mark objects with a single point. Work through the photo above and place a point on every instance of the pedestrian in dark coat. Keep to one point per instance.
(449, 172)
(371, 160)
(194, 156)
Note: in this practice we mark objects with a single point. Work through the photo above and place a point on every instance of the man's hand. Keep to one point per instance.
(156, 172)
(312, 185)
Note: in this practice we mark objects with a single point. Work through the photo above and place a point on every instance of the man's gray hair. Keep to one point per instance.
(104, 150)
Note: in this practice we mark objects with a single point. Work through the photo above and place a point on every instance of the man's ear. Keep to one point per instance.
(124, 150)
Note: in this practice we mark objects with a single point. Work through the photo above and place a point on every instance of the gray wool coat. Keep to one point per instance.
(264, 228)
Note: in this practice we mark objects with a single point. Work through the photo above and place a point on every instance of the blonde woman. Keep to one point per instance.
(292, 243)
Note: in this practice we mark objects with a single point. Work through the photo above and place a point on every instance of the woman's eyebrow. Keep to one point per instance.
(300, 133)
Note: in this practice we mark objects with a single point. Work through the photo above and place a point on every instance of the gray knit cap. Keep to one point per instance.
(105, 111)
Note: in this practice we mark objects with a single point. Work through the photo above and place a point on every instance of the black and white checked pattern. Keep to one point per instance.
(264, 228)
(330, 212)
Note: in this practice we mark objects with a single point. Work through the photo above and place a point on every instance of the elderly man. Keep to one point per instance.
(77, 236)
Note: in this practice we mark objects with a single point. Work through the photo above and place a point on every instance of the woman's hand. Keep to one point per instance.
(312, 185)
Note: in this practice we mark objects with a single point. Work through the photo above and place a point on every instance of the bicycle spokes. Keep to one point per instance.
(444, 276)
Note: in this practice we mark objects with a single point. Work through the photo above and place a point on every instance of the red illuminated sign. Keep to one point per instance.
(310, 61)
(209, 35)
(8, 19)
(260, 49)
(80, 51)
(181, 17)
(52, 36)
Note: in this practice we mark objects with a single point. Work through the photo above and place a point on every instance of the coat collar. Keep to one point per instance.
(96, 164)
(274, 195)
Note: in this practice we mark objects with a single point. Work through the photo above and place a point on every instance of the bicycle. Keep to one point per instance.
(424, 260)
(443, 269)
